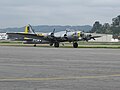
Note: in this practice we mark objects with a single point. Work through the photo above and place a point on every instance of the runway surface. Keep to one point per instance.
(37, 68)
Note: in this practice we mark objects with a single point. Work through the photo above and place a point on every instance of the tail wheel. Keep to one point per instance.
(56, 44)
(34, 45)
(75, 45)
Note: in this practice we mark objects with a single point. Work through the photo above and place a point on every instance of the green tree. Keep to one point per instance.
(106, 29)
(96, 27)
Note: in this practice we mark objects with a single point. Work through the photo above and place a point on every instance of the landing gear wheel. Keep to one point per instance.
(75, 45)
(56, 44)
(51, 44)
(34, 45)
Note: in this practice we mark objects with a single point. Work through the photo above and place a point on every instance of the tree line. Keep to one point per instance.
(107, 28)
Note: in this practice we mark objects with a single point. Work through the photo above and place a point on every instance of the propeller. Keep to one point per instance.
(87, 37)
(65, 35)
(82, 34)
(91, 37)
(52, 34)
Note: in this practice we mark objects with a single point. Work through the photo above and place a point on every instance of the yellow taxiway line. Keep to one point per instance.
(59, 78)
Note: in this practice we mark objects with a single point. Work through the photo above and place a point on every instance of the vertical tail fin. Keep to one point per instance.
(29, 29)
(26, 29)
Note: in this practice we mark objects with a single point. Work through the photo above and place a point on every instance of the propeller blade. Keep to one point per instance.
(65, 35)
(53, 30)
(93, 38)
(52, 34)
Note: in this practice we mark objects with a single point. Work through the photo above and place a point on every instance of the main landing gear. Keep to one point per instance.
(56, 44)
(34, 45)
(75, 44)
(51, 44)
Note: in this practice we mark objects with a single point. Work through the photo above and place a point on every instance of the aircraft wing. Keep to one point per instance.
(87, 37)
(96, 36)
(25, 35)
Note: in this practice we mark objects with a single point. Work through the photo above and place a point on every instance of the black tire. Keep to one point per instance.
(75, 45)
(56, 44)
(51, 44)
(34, 45)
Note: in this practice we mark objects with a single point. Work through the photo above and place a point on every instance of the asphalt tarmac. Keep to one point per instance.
(38, 68)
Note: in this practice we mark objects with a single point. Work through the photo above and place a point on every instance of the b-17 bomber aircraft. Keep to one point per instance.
(52, 38)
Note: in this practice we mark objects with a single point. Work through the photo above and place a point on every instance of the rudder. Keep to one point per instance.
(28, 29)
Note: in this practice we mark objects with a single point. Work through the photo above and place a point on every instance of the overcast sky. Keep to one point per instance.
(17, 13)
